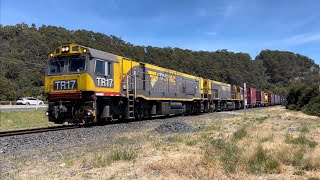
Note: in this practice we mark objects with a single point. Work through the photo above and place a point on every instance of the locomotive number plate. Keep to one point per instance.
(65, 85)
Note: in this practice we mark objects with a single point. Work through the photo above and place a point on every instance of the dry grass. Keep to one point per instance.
(270, 143)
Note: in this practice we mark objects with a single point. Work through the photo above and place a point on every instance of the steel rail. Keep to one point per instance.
(36, 130)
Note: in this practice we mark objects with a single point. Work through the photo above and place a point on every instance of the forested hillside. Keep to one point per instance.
(23, 52)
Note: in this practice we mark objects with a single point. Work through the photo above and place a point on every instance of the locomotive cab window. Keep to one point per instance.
(103, 68)
(56, 66)
(77, 64)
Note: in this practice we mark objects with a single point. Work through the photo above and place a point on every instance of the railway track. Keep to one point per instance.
(35, 130)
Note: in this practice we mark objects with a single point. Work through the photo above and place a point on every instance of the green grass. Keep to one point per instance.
(229, 154)
(261, 162)
(10, 120)
(314, 178)
(123, 155)
(261, 119)
(301, 140)
(240, 133)
(304, 129)
(102, 160)
(267, 138)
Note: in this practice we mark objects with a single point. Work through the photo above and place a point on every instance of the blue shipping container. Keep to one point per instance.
(276, 99)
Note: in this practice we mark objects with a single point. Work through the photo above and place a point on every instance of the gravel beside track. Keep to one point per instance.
(175, 127)
(78, 137)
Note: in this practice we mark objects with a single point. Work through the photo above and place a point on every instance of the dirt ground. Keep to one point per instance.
(268, 143)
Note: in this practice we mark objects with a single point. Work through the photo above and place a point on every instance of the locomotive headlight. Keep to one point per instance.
(63, 49)
(67, 48)
(84, 50)
(51, 55)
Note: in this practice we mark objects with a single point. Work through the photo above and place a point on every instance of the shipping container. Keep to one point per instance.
(282, 99)
(279, 100)
(260, 98)
(251, 97)
(271, 99)
(276, 99)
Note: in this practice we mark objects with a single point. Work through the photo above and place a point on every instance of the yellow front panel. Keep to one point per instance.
(266, 98)
(84, 83)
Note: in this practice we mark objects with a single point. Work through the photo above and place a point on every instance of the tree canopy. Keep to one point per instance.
(24, 50)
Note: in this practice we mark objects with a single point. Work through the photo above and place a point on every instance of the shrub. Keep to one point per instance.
(301, 140)
(313, 107)
(261, 162)
(228, 154)
(240, 133)
(261, 119)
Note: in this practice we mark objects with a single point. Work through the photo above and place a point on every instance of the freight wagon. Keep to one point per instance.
(282, 99)
(251, 97)
(259, 98)
(276, 99)
(271, 99)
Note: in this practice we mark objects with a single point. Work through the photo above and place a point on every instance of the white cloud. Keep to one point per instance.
(302, 38)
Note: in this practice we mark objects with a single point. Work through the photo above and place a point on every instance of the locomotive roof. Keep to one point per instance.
(102, 55)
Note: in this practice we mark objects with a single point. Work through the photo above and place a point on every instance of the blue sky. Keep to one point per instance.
(237, 25)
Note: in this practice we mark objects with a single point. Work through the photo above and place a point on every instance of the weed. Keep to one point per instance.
(299, 172)
(230, 157)
(311, 162)
(177, 138)
(261, 162)
(297, 158)
(261, 119)
(240, 133)
(229, 153)
(267, 138)
(301, 140)
(157, 145)
(100, 161)
(304, 129)
(314, 178)
(213, 127)
(191, 143)
(125, 155)
(103, 160)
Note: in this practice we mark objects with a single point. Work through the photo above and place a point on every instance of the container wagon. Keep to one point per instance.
(260, 98)
(271, 99)
(276, 99)
(251, 96)
(282, 99)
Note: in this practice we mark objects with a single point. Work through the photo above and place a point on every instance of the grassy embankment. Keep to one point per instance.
(10, 120)
(269, 143)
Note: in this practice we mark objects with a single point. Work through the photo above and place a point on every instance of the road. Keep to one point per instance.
(22, 107)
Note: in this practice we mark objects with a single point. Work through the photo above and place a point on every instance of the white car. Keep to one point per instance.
(29, 101)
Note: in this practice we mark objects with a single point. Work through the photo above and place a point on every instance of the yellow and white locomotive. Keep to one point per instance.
(86, 85)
